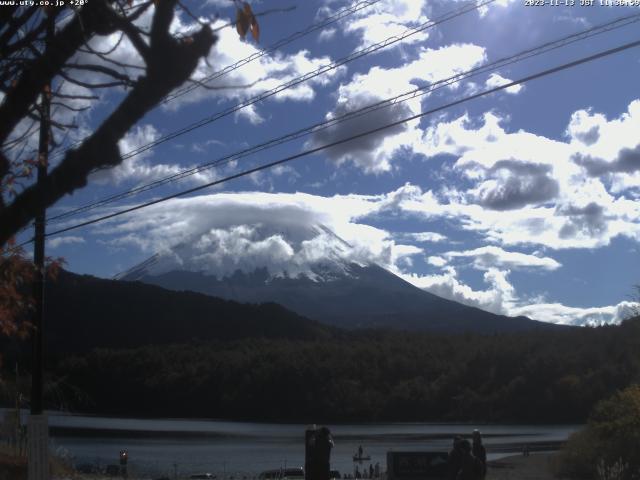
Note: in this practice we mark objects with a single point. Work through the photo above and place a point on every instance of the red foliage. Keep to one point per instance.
(246, 21)
(16, 275)
(16, 278)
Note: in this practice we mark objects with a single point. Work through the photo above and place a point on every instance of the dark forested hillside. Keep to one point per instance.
(361, 297)
(133, 349)
(543, 376)
(85, 312)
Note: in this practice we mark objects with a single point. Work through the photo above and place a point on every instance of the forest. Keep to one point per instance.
(539, 376)
(126, 348)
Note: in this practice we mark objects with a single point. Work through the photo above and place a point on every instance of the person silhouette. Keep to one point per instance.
(454, 461)
(470, 466)
(478, 451)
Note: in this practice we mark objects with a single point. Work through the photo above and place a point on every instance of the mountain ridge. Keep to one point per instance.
(310, 270)
(86, 312)
(368, 297)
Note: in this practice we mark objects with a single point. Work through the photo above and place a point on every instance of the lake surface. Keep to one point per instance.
(244, 449)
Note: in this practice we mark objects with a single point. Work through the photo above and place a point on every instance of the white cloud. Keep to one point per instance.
(497, 80)
(524, 188)
(436, 261)
(374, 153)
(501, 297)
(576, 20)
(490, 256)
(285, 232)
(141, 167)
(255, 77)
(327, 34)
(55, 242)
(608, 149)
(541, 226)
(484, 10)
(565, 315)
(498, 295)
(584, 126)
(425, 237)
(223, 232)
(388, 18)
(204, 147)
(512, 184)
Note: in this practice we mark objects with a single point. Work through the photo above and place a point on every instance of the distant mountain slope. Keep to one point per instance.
(312, 271)
(85, 312)
(357, 297)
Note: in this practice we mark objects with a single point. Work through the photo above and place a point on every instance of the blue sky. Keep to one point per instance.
(521, 202)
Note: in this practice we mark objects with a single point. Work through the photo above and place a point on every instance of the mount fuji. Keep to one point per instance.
(313, 272)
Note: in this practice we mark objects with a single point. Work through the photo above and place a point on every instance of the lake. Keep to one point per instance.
(243, 449)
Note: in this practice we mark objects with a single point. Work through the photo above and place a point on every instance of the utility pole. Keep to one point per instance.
(38, 426)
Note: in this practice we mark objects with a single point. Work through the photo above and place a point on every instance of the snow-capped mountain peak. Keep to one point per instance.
(285, 250)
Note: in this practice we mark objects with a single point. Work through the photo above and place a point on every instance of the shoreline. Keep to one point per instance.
(536, 466)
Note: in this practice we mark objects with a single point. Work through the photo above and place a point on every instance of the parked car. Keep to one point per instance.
(203, 476)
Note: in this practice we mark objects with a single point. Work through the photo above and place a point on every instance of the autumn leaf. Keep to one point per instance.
(255, 29)
(242, 22)
(246, 21)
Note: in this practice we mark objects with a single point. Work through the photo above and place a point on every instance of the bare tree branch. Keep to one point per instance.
(134, 35)
(88, 85)
(88, 48)
(125, 79)
(139, 11)
(13, 26)
(76, 97)
(170, 63)
(24, 42)
(15, 141)
(95, 17)
(117, 63)
(69, 107)
(6, 14)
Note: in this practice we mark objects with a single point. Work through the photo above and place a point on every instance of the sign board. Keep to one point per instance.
(416, 465)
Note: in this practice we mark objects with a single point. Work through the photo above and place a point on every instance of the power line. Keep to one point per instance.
(308, 76)
(420, 91)
(311, 151)
(471, 6)
(339, 15)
